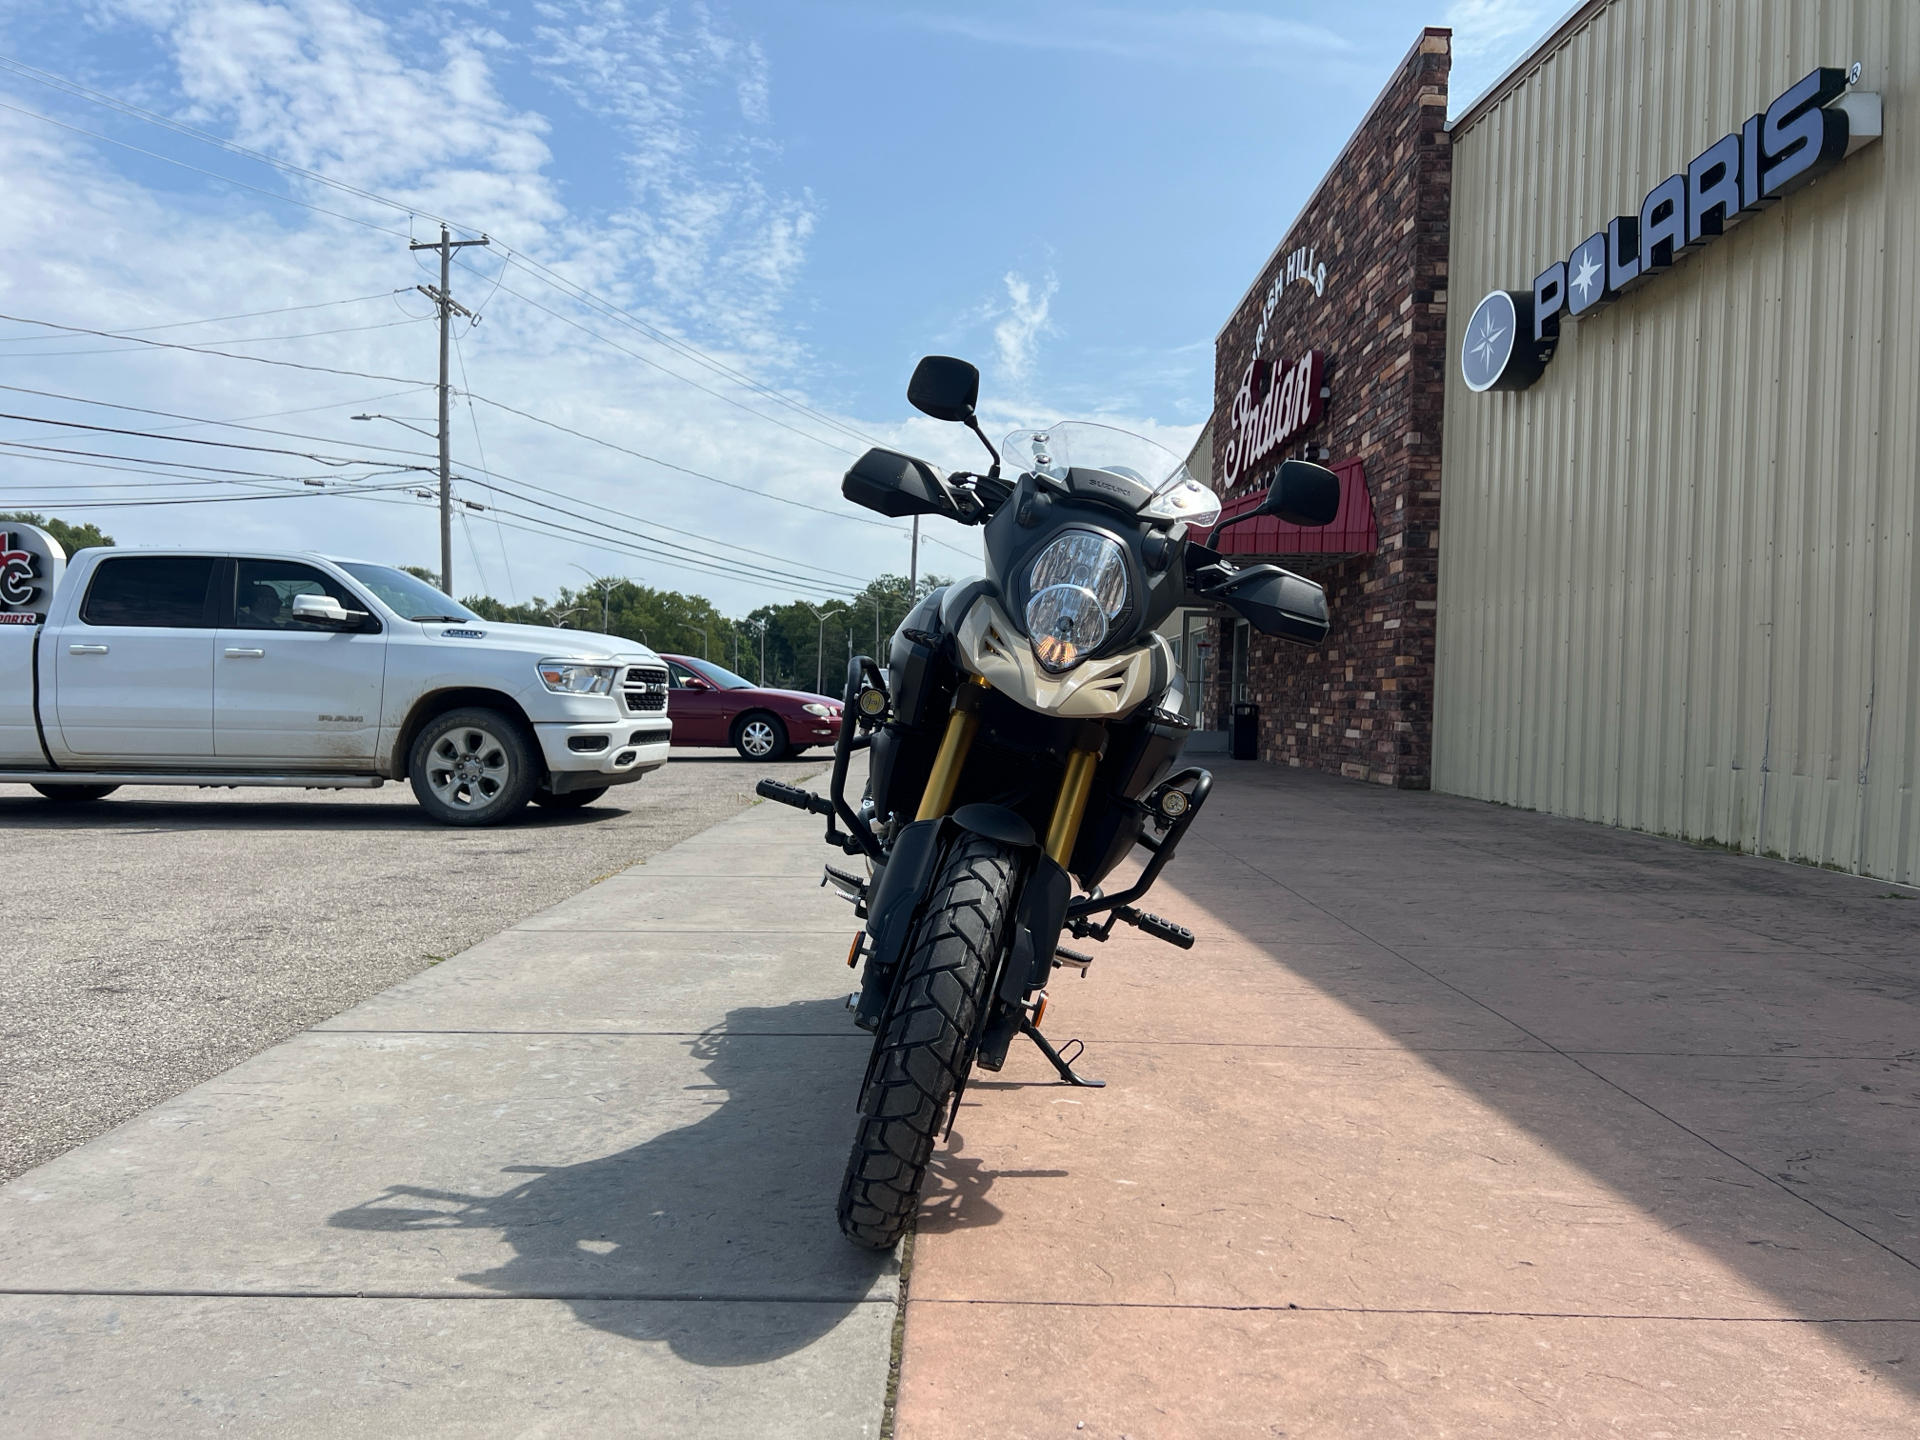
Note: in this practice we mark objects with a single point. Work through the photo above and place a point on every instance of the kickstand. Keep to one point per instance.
(1067, 1074)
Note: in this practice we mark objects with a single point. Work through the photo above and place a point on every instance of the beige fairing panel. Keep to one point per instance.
(1097, 690)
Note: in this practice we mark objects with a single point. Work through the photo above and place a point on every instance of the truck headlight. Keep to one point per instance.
(1078, 585)
(574, 677)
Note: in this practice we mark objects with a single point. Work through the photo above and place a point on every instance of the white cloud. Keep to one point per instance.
(1488, 36)
(699, 246)
(1017, 333)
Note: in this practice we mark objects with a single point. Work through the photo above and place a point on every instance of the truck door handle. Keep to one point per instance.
(238, 654)
(86, 649)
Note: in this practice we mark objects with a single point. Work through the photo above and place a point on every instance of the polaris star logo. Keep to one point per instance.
(1808, 129)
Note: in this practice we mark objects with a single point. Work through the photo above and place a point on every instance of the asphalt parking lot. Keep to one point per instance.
(162, 935)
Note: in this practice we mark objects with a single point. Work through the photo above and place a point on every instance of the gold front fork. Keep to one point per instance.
(962, 724)
(1071, 806)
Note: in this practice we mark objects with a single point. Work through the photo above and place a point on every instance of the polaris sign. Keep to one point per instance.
(1803, 134)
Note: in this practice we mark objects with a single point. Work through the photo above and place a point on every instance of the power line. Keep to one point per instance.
(224, 340)
(204, 350)
(194, 440)
(210, 174)
(194, 420)
(635, 355)
(244, 315)
(422, 455)
(684, 470)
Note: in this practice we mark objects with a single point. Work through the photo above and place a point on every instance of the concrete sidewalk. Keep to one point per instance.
(1457, 1121)
(579, 1178)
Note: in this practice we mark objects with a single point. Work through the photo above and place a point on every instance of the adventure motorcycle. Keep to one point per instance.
(1023, 736)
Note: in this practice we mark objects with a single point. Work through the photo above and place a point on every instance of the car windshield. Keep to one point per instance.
(407, 595)
(719, 675)
(1085, 445)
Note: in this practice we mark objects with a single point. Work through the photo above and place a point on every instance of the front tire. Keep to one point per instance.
(923, 1045)
(74, 794)
(761, 736)
(473, 767)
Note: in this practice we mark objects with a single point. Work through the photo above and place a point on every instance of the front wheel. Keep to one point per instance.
(761, 736)
(473, 767)
(923, 1045)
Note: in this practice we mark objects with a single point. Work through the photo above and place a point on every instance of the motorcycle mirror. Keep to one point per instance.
(1302, 494)
(945, 388)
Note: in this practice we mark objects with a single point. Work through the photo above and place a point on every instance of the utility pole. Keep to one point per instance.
(913, 561)
(443, 300)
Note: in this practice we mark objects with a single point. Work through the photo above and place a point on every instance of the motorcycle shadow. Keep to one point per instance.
(717, 1238)
(955, 1195)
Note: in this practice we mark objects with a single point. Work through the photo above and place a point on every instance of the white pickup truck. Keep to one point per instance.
(242, 667)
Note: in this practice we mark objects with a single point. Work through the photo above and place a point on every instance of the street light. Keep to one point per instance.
(606, 584)
(820, 645)
(703, 639)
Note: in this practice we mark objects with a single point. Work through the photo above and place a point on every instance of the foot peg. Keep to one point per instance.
(1160, 929)
(1063, 956)
(793, 795)
(849, 887)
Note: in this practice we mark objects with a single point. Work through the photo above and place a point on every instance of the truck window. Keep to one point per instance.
(157, 591)
(264, 591)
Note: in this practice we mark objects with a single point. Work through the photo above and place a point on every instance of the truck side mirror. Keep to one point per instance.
(945, 388)
(325, 610)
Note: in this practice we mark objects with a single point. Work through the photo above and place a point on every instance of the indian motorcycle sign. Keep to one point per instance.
(1808, 129)
(1275, 403)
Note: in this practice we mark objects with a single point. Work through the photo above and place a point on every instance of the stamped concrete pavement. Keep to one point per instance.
(1457, 1121)
(579, 1178)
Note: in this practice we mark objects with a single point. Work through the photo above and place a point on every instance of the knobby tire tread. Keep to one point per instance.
(923, 1047)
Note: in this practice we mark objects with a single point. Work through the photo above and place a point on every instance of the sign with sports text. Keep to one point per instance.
(1808, 129)
(31, 562)
(1275, 403)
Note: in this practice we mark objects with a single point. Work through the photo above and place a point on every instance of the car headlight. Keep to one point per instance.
(1078, 585)
(574, 677)
(814, 708)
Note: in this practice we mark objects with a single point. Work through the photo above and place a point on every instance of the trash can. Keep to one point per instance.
(1246, 730)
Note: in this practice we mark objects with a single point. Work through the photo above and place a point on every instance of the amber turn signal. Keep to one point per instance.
(853, 950)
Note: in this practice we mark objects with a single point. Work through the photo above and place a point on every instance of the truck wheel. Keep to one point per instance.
(75, 793)
(761, 736)
(473, 767)
(571, 800)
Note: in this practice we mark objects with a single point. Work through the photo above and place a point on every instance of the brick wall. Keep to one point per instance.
(1362, 705)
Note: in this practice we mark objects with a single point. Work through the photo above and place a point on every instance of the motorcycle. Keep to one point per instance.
(1024, 736)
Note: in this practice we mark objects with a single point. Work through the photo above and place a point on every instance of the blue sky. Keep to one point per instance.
(812, 193)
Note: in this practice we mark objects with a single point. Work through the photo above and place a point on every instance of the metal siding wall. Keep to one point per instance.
(1678, 588)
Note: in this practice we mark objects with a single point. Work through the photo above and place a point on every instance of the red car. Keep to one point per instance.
(710, 705)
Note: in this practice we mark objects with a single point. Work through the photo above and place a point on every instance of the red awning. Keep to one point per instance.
(1352, 532)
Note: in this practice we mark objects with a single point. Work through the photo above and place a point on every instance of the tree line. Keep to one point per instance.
(795, 646)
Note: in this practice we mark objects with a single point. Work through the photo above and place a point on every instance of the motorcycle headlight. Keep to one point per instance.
(1078, 585)
(572, 677)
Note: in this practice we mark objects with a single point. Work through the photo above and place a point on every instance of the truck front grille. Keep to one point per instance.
(644, 688)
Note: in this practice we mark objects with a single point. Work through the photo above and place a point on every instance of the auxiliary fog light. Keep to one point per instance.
(1173, 803)
(872, 702)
